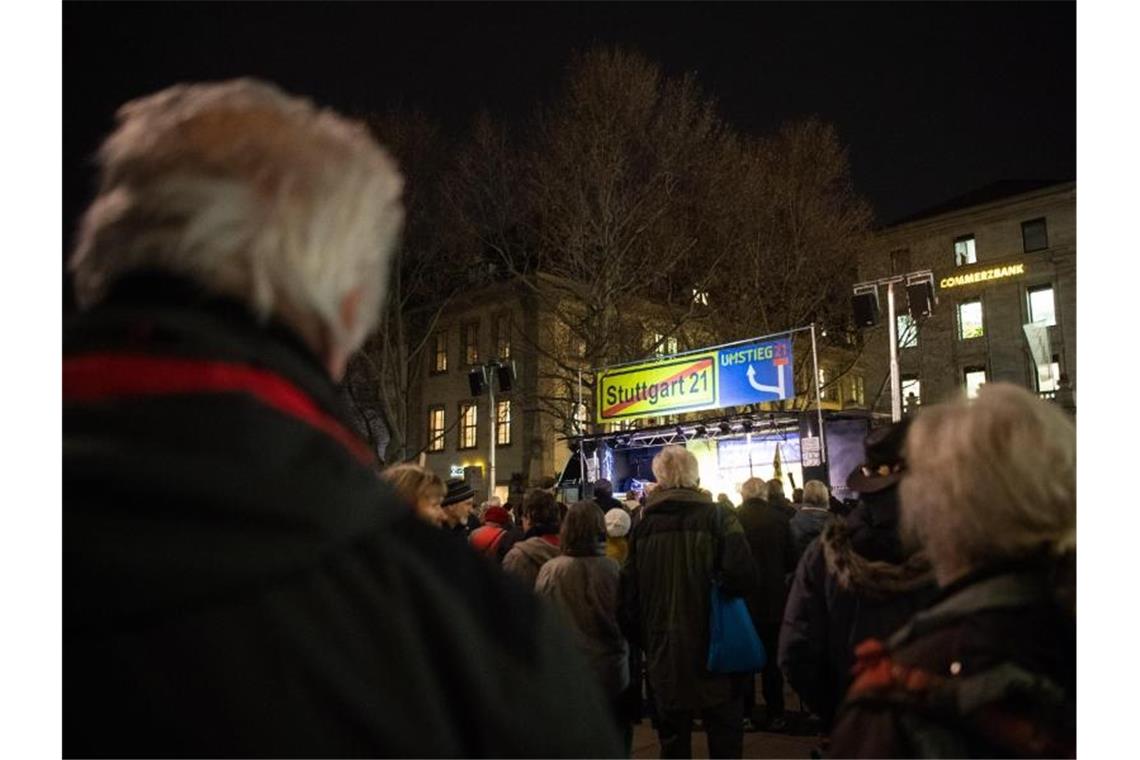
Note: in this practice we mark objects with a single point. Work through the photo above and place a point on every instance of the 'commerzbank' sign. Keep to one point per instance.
(982, 275)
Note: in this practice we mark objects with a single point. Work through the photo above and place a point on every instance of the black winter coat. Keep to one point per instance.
(238, 582)
(681, 543)
(770, 539)
(854, 582)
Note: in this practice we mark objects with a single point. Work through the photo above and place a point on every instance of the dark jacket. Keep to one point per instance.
(681, 543)
(854, 582)
(989, 670)
(238, 582)
(769, 537)
(606, 503)
(806, 526)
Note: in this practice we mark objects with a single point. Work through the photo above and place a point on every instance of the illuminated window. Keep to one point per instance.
(439, 361)
(503, 423)
(436, 425)
(503, 336)
(1048, 378)
(965, 251)
(580, 417)
(1034, 235)
(824, 393)
(909, 384)
(468, 424)
(701, 297)
(859, 393)
(907, 331)
(470, 348)
(664, 346)
(970, 323)
(974, 378)
(1041, 306)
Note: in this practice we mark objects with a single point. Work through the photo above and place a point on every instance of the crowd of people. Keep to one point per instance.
(238, 580)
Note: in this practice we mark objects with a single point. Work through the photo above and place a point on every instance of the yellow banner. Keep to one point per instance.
(646, 390)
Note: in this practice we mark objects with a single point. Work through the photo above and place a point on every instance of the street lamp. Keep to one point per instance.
(483, 376)
(920, 303)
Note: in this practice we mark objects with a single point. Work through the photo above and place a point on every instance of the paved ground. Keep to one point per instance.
(759, 744)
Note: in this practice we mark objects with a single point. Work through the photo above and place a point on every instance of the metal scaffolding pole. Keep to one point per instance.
(818, 397)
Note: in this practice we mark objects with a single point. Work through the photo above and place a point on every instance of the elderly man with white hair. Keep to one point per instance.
(681, 543)
(237, 579)
(989, 668)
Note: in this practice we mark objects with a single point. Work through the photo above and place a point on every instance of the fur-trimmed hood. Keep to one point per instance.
(854, 572)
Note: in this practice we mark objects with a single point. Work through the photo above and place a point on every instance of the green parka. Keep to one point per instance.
(681, 544)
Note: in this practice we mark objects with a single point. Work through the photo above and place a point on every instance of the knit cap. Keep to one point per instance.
(617, 523)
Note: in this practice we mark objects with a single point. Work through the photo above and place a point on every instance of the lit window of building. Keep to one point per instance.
(664, 346)
(701, 297)
(974, 378)
(436, 427)
(1034, 235)
(439, 360)
(503, 337)
(911, 389)
(1049, 378)
(824, 391)
(965, 251)
(468, 424)
(503, 422)
(907, 331)
(970, 322)
(1041, 305)
(470, 348)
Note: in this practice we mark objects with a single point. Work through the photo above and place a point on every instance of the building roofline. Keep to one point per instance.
(992, 196)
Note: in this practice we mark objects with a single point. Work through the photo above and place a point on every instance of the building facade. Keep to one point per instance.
(1004, 261)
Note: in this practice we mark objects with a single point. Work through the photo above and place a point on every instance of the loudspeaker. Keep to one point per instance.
(477, 380)
(920, 299)
(866, 309)
(506, 372)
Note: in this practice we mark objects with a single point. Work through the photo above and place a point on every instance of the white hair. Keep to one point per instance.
(754, 488)
(816, 494)
(250, 193)
(676, 467)
(990, 479)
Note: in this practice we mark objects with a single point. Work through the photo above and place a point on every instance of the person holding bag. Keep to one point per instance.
(680, 546)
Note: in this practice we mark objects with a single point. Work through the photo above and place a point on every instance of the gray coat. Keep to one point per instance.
(526, 558)
(586, 589)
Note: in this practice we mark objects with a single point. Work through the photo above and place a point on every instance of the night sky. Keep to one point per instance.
(932, 99)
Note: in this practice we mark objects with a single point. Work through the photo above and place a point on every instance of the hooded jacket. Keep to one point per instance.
(988, 670)
(527, 557)
(854, 582)
(238, 582)
(586, 590)
(682, 543)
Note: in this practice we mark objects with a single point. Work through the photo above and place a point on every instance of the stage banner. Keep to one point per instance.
(705, 379)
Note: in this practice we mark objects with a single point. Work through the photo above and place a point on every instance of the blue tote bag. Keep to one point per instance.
(734, 646)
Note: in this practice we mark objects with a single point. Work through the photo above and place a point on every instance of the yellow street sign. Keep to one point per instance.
(683, 384)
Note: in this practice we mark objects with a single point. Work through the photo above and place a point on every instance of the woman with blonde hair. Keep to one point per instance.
(419, 487)
(988, 669)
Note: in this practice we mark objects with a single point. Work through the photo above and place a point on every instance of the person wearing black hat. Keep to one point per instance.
(457, 505)
(854, 582)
